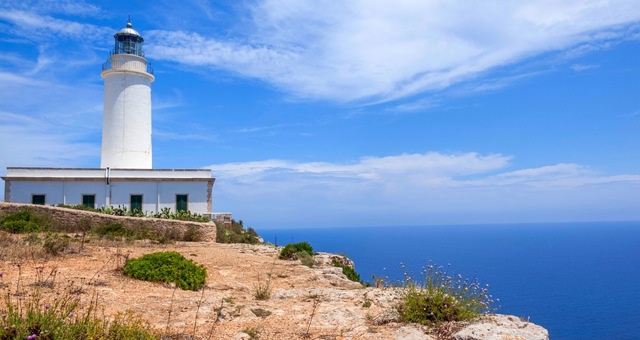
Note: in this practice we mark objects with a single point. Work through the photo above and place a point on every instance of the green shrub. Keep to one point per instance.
(55, 244)
(114, 230)
(305, 258)
(236, 233)
(24, 221)
(441, 298)
(167, 266)
(77, 207)
(163, 213)
(348, 271)
(32, 317)
(290, 251)
(185, 215)
(20, 227)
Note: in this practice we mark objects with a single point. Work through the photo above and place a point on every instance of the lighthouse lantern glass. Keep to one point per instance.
(128, 44)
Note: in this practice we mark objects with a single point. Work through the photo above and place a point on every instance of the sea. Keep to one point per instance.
(578, 280)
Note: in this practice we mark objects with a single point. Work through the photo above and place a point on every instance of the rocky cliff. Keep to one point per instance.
(300, 303)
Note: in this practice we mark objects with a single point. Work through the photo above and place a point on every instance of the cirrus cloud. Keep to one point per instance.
(380, 51)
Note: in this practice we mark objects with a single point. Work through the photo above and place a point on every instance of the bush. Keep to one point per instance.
(77, 207)
(290, 251)
(235, 233)
(163, 213)
(348, 271)
(305, 258)
(32, 317)
(55, 244)
(167, 266)
(20, 227)
(442, 298)
(23, 221)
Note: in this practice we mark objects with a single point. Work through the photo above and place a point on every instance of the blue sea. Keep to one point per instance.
(578, 280)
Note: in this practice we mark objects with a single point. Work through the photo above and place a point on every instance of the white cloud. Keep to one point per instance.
(415, 188)
(378, 51)
(172, 135)
(68, 7)
(43, 27)
(582, 67)
(418, 105)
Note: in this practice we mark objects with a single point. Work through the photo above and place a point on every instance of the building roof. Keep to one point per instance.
(36, 173)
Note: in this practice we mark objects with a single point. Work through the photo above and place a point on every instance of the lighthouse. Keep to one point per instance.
(126, 125)
(125, 177)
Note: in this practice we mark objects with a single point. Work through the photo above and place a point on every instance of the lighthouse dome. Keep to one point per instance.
(128, 31)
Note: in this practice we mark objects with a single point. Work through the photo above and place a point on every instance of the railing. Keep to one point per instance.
(128, 65)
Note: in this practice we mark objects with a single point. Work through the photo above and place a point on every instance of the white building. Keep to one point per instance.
(125, 177)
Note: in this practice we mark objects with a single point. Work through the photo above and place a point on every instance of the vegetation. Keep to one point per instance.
(262, 291)
(348, 271)
(298, 251)
(291, 251)
(236, 233)
(24, 221)
(55, 244)
(442, 298)
(167, 266)
(124, 211)
(27, 221)
(33, 317)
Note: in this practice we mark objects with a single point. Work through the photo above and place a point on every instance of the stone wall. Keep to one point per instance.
(72, 217)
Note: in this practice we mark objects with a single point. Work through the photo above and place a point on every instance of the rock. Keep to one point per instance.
(324, 260)
(412, 333)
(242, 336)
(500, 327)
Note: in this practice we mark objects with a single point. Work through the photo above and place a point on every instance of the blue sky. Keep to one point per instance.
(350, 113)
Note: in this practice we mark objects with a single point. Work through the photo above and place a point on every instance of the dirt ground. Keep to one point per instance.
(304, 303)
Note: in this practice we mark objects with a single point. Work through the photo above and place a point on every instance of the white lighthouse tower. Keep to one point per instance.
(126, 126)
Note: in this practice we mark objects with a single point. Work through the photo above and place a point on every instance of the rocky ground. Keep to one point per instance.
(304, 303)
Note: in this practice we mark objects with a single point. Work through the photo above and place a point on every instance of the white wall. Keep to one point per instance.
(156, 194)
(21, 193)
(75, 189)
(197, 192)
(122, 191)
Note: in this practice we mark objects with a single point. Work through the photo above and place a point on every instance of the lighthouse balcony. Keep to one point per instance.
(127, 63)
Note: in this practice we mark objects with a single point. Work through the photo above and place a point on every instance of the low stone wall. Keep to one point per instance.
(65, 216)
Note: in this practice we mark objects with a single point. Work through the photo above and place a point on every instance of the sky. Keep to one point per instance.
(350, 113)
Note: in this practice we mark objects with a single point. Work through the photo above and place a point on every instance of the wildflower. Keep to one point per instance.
(47, 306)
(1, 273)
(31, 337)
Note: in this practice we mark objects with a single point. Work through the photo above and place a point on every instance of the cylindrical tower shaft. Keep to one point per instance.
(126, 127)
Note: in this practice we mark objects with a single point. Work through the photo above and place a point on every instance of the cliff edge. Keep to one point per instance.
(302, 302)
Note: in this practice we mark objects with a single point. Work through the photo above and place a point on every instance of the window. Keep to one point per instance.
(136, 202)
(182, 202)
(37, 199)
(89, 201)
